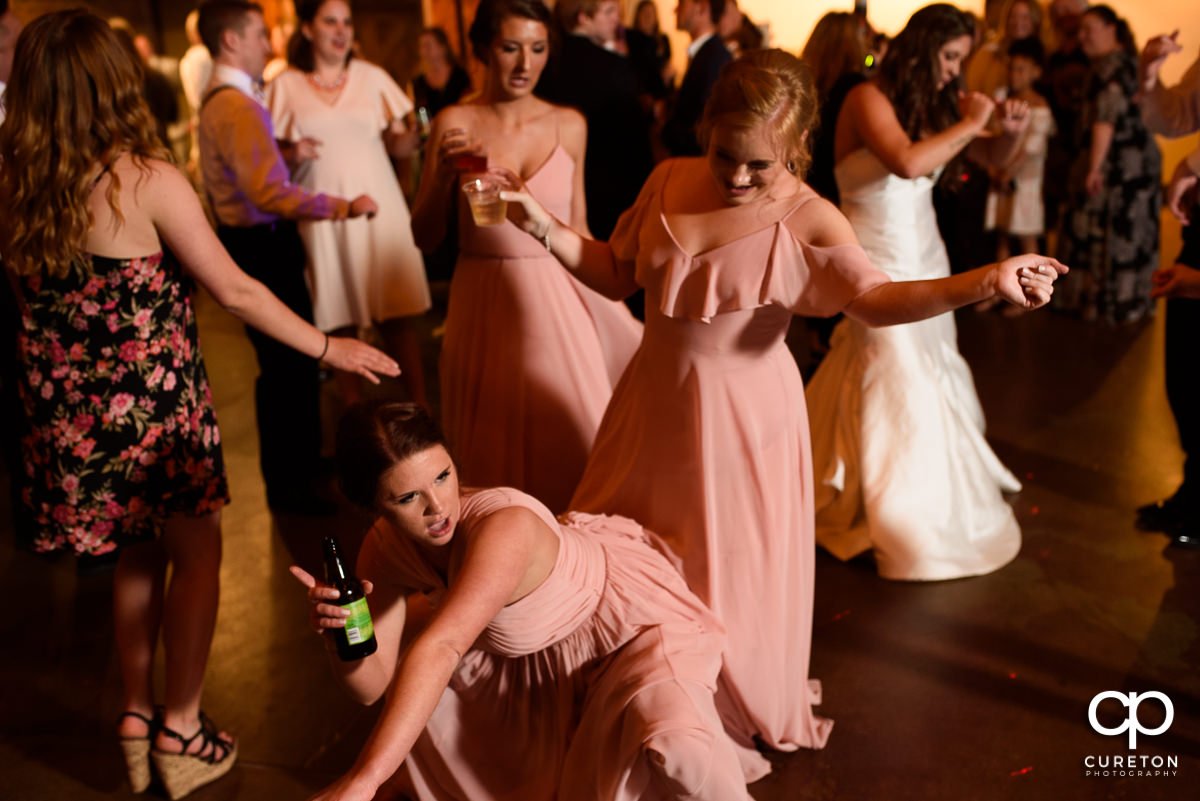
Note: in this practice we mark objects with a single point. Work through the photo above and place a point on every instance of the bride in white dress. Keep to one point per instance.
(899, 456)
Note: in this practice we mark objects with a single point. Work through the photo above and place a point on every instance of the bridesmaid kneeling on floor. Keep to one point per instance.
(564, 659)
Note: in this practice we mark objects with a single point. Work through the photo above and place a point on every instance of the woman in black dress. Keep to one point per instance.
(441, 82)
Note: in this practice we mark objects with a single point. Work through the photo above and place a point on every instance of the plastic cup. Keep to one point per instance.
(483, 196)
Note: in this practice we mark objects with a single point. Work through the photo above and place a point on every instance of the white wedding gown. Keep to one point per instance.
(899, 457)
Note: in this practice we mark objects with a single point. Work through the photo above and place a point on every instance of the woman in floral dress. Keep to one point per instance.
(122, 448)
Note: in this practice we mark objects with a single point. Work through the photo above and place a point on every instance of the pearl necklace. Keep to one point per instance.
(329, 87)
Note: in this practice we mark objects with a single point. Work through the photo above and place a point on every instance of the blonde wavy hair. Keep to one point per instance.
(771, 88)
(74, 103)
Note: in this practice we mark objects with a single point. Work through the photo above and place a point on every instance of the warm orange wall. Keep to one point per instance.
(791, 21)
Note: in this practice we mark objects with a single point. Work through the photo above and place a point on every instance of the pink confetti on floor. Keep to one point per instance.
(841, 615)
(1022, 771)
(1012, 675)
(1033, 511)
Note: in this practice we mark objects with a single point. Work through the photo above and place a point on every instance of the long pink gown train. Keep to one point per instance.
(597, 686)
(706, 443)
(530, 355)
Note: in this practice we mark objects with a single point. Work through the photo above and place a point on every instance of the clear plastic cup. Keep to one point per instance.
(483, 196)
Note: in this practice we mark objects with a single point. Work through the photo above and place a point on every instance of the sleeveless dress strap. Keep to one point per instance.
(807, 194)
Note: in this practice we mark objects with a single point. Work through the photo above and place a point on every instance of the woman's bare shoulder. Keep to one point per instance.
(144, 178)
(458, 114)
(570, 120)
(818, 222)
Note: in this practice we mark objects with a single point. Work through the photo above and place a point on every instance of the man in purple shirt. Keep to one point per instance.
(256, 206)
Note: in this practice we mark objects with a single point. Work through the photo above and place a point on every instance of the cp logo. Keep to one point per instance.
(1131, 723)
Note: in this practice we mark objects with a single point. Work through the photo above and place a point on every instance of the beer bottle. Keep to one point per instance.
(423, 124)
(357, 639)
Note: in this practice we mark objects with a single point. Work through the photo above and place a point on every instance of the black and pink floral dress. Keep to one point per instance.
(121, 428)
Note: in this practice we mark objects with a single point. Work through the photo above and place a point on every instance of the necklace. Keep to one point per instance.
(330, 86)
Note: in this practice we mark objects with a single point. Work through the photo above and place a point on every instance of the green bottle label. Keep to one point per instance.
(358, 625)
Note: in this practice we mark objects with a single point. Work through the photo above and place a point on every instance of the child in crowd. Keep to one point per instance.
(1014, 204)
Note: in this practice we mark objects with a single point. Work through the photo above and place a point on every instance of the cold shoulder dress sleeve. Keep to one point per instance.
(597, 685)
(706, 442)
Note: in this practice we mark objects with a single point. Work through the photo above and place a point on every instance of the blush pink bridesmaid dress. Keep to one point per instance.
(596, 686)
(530, 355)
(706, 443)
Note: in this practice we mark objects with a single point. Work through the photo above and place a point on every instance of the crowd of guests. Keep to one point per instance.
(567, 646)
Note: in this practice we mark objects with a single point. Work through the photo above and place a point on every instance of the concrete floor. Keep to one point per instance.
(970, 689)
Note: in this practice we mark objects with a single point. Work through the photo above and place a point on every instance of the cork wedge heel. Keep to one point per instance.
(137, 750)
(184, 772)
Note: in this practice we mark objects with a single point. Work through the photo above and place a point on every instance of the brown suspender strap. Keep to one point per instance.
(208, 95)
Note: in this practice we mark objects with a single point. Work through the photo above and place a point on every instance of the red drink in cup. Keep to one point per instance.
(470, 163)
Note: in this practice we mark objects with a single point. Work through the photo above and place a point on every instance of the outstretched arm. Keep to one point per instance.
(1026, 281)
(495, 564)
(592, 262)
(1171, 111)
(172, 205)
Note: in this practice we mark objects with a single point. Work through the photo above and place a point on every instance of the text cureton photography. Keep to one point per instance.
(1131, 764)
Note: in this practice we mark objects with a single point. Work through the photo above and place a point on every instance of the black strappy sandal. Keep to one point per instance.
(137, 749)
(183, 772)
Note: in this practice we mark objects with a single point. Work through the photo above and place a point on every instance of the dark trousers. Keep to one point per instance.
(1183, 375)
(286, 391)
(12, 411)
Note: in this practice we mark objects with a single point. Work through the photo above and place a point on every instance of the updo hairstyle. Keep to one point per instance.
(771, 88)
(372, 438)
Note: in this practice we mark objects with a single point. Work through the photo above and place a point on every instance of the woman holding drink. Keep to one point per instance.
(530, 355)
(706, 442)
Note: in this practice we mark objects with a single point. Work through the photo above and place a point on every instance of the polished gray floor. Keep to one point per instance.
(970, 689)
